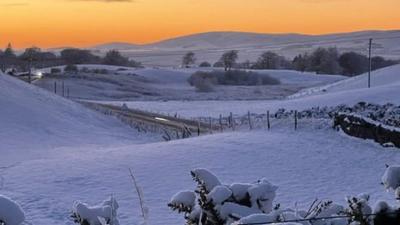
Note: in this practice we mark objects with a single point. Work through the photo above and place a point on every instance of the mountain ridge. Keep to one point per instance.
(219, 39)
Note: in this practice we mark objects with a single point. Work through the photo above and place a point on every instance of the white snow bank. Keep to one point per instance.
(258, 218)
(287, 158)
(377, 95)
(382, 77)
(391, 177)
(219, 194)
(262, 195)
(207, 178)
(239, 190)
(232, 209)
(185, 198)
(10, 212)
(35, 122)
(95, 215)
(385, 89)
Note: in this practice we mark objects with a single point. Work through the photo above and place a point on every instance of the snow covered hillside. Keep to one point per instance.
(385, 88)
(36, 123)
(304, 165)
(130, 84)
(54, 151)
(383, 77)
(210, 46)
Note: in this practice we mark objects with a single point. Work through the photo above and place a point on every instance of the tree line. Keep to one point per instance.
(320, 61)
(35, 57)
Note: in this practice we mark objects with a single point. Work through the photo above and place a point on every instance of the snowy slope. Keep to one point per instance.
(305, 164)
(35, 123)
(210, 46)
(220, 40)
(130, 84)
(385, 89)
(382, 77)
(65, 152)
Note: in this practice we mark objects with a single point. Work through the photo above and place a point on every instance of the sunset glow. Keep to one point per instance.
(57, 23)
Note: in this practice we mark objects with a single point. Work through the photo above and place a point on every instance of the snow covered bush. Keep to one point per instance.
(384, 213)
(359, 210)
(391, 178)
(10, 212)
(103, 214)
(215, 203)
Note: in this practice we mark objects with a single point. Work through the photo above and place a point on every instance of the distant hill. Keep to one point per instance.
(209, 46)
(114, 46)
(242, 39)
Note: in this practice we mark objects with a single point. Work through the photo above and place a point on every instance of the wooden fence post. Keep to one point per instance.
(198, 128)
(249, 117)
(210, 123)
(220, 123)
(268, 122)
(55, 87)
(295, 120)
(233, 122)
(230, 119)
(63, 89)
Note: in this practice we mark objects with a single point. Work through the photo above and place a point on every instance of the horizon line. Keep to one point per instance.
(94, 45)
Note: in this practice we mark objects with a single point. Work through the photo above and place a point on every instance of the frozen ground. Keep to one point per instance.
(36, 124)
(54, 151)
(305, 164)
(151, 84)
(385, 88)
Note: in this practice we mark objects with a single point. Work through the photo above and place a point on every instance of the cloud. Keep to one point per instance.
(18, 4)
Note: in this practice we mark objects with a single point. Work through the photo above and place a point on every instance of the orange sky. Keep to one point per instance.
(55, 23)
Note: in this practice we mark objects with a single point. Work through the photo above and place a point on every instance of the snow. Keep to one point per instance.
(332, 209)
(186, 198)
(37, 124)
(232, 209)
(262, 195)
(290, 216)
(54, 151)
(219, 194)
(94, 214)
(391, 177)
(258, 218)
(352, 91)
(133, 84)
(383, 77)
(10, 212)
(205, 177)
(239, 190)
(210, 46)
(302, 164)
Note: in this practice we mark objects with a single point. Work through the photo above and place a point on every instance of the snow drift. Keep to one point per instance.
(34, 121)
(10, 212)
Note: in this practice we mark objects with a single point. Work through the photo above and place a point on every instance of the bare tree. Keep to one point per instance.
(188, 59)
(229, 59)
(269, 60)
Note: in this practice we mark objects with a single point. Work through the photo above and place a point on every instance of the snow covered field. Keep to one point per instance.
(385, 88)
(36, 124)
(54, 151)
(305, 165)
(150, 84)
(210, 46)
